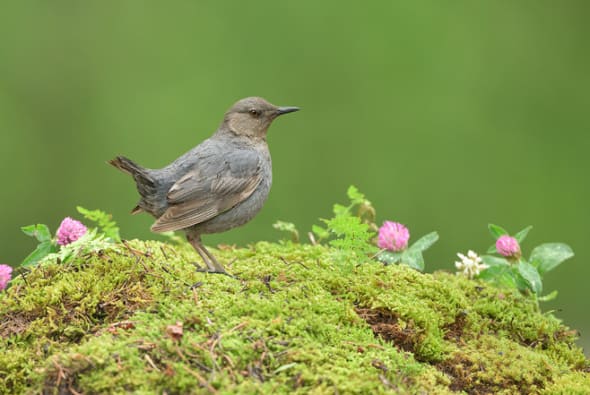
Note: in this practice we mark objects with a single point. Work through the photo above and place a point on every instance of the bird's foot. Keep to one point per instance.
(213, 266)
(215, 271)
(199, 267)
(212, 270)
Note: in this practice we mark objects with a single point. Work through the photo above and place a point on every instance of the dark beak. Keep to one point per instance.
(285, 110)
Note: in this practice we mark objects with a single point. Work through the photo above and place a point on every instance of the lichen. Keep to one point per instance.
(290, 322)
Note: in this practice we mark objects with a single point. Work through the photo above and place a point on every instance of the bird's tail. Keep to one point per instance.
(127, 165)
(145, 182)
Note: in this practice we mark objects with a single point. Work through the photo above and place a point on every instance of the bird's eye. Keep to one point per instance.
(255, 113)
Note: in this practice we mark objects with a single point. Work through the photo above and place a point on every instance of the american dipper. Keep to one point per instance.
(218, 185)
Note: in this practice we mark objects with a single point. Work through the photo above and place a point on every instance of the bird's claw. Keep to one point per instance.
(215, 271)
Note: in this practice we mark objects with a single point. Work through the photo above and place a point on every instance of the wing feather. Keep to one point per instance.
(209, 190)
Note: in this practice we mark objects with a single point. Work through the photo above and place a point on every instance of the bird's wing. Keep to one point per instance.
(210, 188)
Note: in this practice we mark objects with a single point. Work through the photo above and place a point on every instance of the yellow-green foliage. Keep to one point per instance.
(143, 320)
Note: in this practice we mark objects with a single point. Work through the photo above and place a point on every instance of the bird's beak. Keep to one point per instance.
(285, 110)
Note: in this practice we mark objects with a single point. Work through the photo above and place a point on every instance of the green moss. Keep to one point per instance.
(292, 322)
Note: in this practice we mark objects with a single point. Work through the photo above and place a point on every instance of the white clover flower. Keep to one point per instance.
(470, 265)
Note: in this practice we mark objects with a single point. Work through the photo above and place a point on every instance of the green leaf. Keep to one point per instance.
(492, 250)
(520, 236)
(548, 256)
(531, 275)
(521, 283)
(500, 275)
(29, 230)
(340, 210)
(42, 250)
(289, 228)
(39, 231)
(425, 242)
(355, 196)
(320, 232)
(389, 257)
(104, 221)
(413, 259)
(496, 231)
(548, 297)
(352, 234)
(492, 261)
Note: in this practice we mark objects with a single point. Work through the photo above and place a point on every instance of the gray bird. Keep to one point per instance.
(218, 185)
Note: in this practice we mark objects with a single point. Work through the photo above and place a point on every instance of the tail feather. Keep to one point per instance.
(136, 210)
(146, 185)
(130, 167)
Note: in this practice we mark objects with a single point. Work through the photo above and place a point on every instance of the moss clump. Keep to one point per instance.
(141, 319)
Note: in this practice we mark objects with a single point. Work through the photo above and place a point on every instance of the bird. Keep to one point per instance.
(220, 184)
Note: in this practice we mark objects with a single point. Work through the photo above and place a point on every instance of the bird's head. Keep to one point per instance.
(252, 116)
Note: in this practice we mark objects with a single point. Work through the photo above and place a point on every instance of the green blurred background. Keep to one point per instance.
(447, 115)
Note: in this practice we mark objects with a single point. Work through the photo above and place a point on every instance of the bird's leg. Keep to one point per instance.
(213, 266)
(218, 267)
(204, 258)
(195, 241)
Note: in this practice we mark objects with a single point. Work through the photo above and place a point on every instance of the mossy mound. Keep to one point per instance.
(140, 319)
